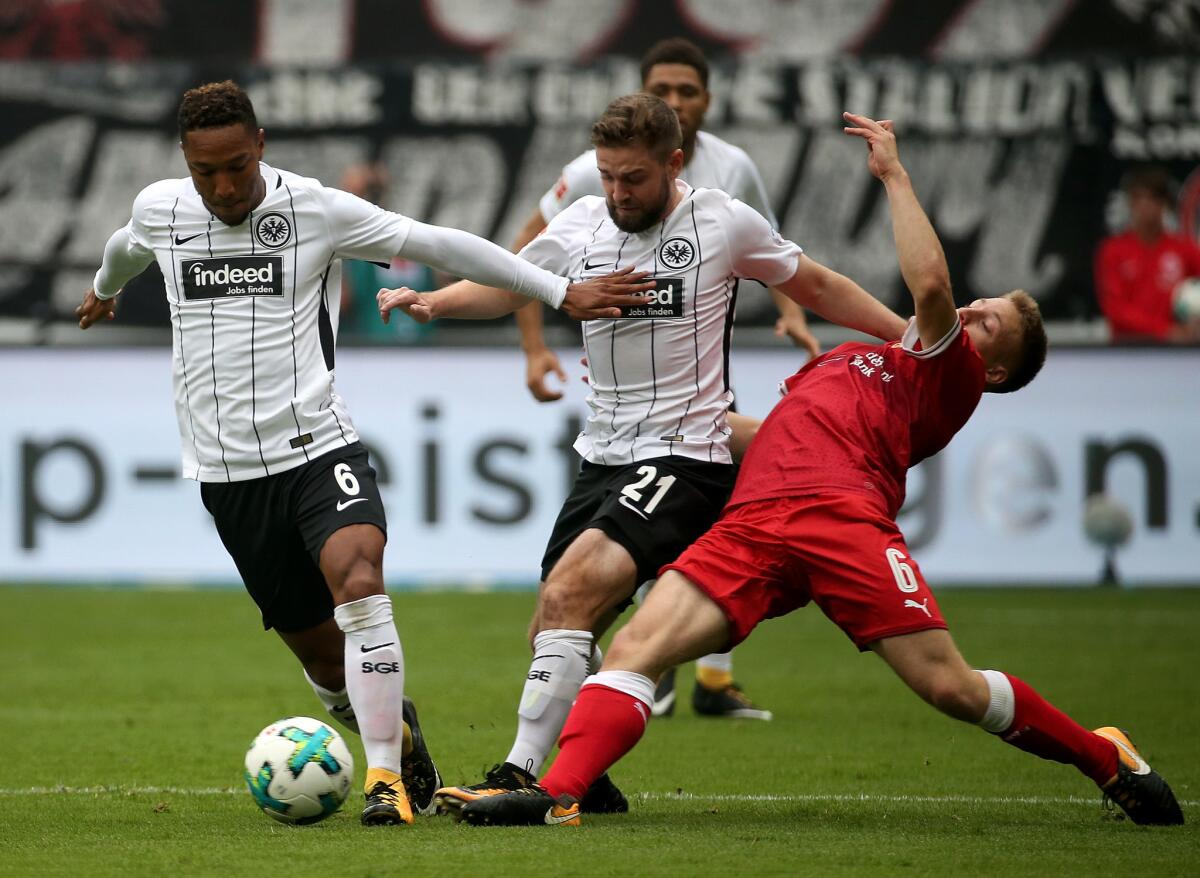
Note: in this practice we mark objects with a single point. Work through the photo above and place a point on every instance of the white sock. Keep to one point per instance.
(629, 682)
(337, 703)
(596, 661)
(560, 660)
(1003, 705)
(375, 677)
(717, 661)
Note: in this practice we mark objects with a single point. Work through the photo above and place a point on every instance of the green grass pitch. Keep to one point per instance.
(126, 713)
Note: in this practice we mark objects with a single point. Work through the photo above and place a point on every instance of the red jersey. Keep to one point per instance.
(856, 418)
(1135, 282)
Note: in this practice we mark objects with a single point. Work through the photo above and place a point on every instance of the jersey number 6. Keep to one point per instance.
(345, 479)
(906, 580)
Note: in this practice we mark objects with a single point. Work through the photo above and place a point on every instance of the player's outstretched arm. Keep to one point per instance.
(840, 300)
(540, 361)
(922, 262)
(591, 299)
(494, 268)
(759, 252)
(468, 256)
(465, 299)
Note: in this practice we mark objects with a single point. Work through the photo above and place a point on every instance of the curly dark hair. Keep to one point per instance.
(676, 50)
(215, 105)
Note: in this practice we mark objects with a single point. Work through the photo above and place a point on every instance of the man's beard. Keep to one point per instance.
(644, 219)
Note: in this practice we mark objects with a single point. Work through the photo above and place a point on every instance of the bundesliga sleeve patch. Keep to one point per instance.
(232, 277)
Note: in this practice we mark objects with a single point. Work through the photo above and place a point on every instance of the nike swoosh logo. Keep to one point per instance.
(342, 504)
(366, 648)
(624, 501)
(588, 266)
(179, 242)
(552, 820)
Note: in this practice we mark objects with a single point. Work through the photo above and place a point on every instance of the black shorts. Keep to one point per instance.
(654, 508)
(275, 527)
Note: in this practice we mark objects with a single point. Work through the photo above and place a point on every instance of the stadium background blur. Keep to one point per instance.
(1017, 118)
(130, 698)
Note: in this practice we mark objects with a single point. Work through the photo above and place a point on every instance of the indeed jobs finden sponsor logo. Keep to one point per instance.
(232, 277)
(666, 303)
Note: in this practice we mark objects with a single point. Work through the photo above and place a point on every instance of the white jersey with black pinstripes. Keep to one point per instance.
(659, 375)
(254, 313)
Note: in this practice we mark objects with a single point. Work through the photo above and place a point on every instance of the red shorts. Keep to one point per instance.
(766, 558)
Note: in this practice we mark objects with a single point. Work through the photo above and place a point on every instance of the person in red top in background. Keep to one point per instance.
(1138, 270)
(812, 518)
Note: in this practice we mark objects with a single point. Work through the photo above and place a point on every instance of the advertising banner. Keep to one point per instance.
(473, 471)
(1017, 162)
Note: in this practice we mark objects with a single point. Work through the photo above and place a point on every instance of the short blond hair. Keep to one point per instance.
(1030, 355)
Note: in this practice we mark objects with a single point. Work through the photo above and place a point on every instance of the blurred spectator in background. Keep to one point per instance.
(360, 319)
(1139, 270)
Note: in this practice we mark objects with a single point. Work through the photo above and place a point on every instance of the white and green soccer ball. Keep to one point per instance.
(299, 770)
(1186, 301)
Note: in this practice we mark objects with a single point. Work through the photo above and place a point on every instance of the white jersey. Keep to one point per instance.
(659, 374)
(715, 164)
(254, 313)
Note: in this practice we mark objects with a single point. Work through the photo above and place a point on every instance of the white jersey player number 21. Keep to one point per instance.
(634, 491)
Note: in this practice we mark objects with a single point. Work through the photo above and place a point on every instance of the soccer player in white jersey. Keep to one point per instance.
(250, 259)
(657, 465)
(675, 70)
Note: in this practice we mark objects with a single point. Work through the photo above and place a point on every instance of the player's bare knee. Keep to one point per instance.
(627, 647)
(352, 575)
(564, 603)
(956, 695)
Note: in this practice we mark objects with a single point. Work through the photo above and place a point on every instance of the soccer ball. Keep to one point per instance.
(299, 770)
(1107, 521)
(1186, 302)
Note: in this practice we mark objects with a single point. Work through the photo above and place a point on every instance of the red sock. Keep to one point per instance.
(602, 727)
(1042, 729)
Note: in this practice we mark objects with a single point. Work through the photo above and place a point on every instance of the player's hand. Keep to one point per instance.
(403, 299)
(883, 156)
(539, 364)
(604, 296)
(94, 309)
(797, 330)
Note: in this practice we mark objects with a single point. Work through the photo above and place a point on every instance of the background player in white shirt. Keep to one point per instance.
(657, 462)
(675, 70)
(250, 259)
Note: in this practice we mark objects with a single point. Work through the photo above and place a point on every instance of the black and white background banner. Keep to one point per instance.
(1016, 118)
